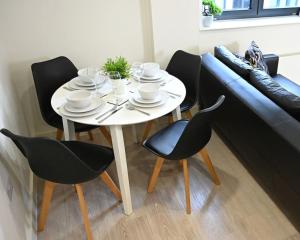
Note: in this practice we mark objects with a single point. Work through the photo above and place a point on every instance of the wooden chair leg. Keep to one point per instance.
(47, 195)
(170, 119)
(106, 134)
(147, 130)
(156, 171)
(59, 134)
(180, 164)
(111, 185)
(189, 114)
(91, 135)
(187, 186)
(210, 166)
(84, 212)
(77, 136)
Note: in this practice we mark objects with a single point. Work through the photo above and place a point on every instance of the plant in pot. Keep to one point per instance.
(117, 70)
(210, 9)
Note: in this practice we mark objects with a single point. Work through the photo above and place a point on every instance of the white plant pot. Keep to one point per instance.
(207, 21)
(118, 86)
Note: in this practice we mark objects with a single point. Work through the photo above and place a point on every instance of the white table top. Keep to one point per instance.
(125, 116)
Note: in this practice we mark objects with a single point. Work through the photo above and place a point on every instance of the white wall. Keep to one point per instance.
(87, 32)
(175, 26)
(16, 222)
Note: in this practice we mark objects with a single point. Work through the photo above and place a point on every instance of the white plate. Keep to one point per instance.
(80, 83)
(137, 97)
(157, 76)
(95, 103)
(152, 81)
(161, 75)
(72, 84)
(66, 113)
(164, 98)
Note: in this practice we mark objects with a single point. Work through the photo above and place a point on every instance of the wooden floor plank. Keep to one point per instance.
(237, 209)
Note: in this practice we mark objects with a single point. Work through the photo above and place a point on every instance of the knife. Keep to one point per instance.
(113, 112)
(175, 94)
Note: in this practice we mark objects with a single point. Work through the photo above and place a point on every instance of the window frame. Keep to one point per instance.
(256, 10)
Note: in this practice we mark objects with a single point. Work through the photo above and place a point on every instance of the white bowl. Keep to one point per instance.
(151, 69)
(149, 91)
(87, 75)
(79, 99)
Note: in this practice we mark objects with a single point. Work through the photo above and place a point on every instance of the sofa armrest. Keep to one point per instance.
(272, 61)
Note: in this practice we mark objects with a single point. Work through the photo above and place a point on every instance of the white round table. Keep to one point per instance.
(121, 118)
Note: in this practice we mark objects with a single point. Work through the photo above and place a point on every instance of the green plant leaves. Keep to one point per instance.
(214, 9)
(119, 64)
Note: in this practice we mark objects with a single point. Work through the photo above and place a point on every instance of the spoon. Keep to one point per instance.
(131, 107)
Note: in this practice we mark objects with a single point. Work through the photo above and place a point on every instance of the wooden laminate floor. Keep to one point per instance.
(238, 209)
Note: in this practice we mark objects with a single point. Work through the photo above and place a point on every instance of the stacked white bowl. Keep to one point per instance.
(79, 99)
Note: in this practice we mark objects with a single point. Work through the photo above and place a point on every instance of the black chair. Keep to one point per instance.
(183, 139)
(48, 77)
(186, 67)
(66, 162)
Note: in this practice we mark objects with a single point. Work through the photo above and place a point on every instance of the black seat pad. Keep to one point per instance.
(96, 157)
(187, 104)
(163, 142)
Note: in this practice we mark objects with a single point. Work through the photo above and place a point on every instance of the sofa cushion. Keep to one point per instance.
(273, 90)
(287, 84)
(255, 57)
(233, 62)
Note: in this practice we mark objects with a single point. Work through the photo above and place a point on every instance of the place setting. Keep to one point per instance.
(81, 103)
(147, 95)
(90, 79)
(150, 73)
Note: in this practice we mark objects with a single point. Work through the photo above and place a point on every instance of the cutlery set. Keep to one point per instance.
(136, 99)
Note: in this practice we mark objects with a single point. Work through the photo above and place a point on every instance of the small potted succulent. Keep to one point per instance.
(117, 70)
(210, 9)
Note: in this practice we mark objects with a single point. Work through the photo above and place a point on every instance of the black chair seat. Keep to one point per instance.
(54, 120)
(66, 162)
(164, 142)
(182, 140)
(187, 104)
(96, 157)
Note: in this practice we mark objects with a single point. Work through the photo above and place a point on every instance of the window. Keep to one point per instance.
(257, 8)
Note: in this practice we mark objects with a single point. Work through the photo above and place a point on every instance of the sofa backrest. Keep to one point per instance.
(236, 64)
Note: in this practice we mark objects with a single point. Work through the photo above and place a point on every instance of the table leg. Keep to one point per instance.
(120, 157)
(176, 114)
(134, 135)
(69, 129)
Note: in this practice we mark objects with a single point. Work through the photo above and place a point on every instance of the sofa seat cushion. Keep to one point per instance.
(277, 93)
(287, 84)
(236, 64)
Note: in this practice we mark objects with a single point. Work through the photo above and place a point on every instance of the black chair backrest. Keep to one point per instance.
(197, 132)
(186, 67)
(48, 77)
(50, 159)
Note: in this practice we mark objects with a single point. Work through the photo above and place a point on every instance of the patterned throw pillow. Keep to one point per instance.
(255, 57)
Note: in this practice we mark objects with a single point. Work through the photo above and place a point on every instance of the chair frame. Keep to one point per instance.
(47, 196)
(184, 164)
(204, 116)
